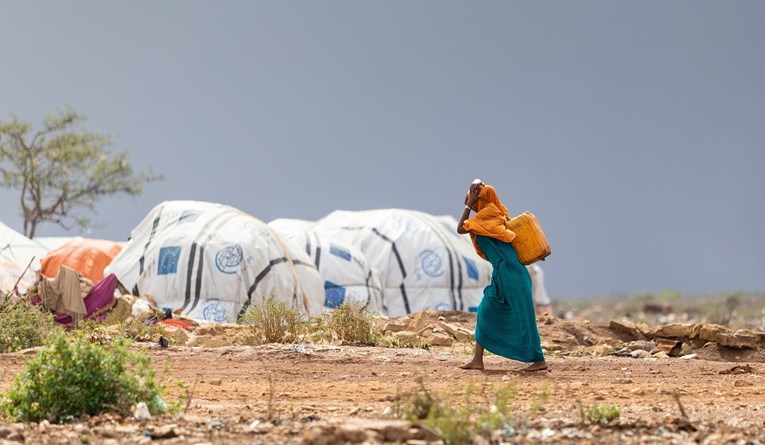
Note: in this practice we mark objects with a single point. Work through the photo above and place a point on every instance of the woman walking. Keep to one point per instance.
(506, 321)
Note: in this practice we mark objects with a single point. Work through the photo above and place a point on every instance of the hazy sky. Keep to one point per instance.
(635, 131)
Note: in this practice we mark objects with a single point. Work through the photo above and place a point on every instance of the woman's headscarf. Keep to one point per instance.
(491, 219)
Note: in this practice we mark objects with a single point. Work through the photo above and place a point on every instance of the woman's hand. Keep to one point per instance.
(473, 194)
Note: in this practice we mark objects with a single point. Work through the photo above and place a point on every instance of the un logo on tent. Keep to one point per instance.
(229, 257)
(430, 263)
(214, 312)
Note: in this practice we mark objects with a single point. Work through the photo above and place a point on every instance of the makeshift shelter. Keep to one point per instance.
(16, 252)
(348, 276)
(87, 256)
(423, 263)
(211, 261)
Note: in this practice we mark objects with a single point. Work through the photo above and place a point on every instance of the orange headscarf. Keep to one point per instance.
(491, 219)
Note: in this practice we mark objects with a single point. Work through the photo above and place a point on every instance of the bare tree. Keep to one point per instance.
(62, 169)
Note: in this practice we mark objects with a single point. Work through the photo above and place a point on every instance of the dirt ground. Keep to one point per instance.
(326, 394)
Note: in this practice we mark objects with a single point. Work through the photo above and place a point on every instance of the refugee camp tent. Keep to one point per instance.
(16, 252)
(54, 242)
(87, 256)
(348, 276)
(211, 261)
(423, 264)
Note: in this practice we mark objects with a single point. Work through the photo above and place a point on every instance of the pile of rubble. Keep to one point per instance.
(564, 337)
(628, 338)
(434, 328)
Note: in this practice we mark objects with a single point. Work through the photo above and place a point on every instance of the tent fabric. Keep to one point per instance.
(54, 242)
(211, 261)
(87, 256)
(16, 252)
(63, 293)
(348, 276)
(539, 291)
(100, 298)
(423, 263)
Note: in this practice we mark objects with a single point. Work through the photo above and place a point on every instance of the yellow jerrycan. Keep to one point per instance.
(530, 242)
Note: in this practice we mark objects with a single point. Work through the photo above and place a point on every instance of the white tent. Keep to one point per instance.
(423, 263)
(541, 299)
(16, 252)
(54, 242)
(348, 276)
(212, 261)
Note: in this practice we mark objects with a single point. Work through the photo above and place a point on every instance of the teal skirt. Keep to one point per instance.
(506, 322)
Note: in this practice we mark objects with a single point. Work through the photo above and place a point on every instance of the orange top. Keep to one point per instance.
(89, 257)
(491, 219)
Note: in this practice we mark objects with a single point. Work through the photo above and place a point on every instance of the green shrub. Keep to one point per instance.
(273, 321)
(23, 325)
(350, 323)
(601, 414)
(76, 377)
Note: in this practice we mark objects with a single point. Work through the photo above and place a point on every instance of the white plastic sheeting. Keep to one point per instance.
(348, 276)
(538, 288)
(16, 251)
(54, 242)
(423, 263)
(212, 261)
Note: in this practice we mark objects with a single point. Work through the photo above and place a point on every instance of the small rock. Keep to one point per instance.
(740, 382)
(640, 353)
(164, 432)
(689, 357)
(263, 428)
(638, 331)
(637, 391)
(395, 326)
(43, 427)
(599, 350)
(670, 347)
(216, 382)
(674, 330)
(441, 340)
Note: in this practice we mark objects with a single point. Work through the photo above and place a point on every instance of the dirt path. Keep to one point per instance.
(305, 385)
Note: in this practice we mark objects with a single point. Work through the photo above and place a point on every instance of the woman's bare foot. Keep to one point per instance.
(473, 364)
(536, 366)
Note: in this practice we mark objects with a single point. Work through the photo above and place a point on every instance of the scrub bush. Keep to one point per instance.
(272, 321)
(75, 377)
(457, 421)
(350, 324)
(23, 325)
(601, 414)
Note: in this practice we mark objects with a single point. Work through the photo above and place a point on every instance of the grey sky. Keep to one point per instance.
(635, 131)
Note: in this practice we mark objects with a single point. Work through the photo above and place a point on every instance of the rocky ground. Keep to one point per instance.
(694, 383)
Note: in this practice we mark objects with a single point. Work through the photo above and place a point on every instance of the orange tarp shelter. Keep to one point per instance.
(87, 256)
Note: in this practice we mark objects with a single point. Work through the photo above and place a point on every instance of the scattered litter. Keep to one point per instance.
(141, 412)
